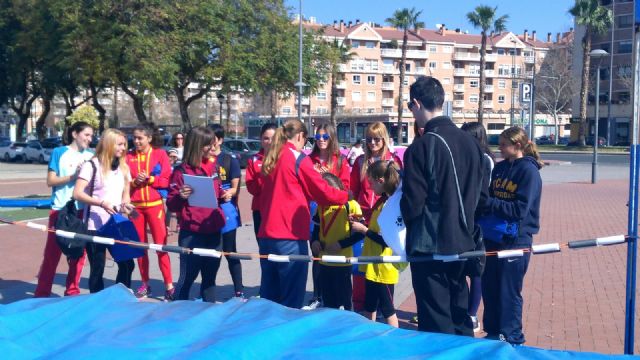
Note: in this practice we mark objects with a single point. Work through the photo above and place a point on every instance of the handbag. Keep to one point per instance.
(392, 226)
(497, 229)
(231, 215)
(120, 228)
(69, 220)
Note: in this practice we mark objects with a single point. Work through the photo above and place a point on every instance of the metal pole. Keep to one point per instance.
(206, 108)
(613, 26)
(300, 63)
(632, 228)
(594, 164)
(532, 104)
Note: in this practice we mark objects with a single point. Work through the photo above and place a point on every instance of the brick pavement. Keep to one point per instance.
(574, 300)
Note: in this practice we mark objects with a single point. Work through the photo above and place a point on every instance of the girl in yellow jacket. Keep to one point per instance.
(384, 178)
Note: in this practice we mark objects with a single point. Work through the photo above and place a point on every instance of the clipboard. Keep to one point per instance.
(203, 194)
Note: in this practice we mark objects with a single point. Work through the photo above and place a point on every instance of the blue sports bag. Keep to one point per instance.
(497, 229)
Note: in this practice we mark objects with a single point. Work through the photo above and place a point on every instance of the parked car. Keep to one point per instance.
(545, 140)
(243, 149)
(563, 140)
(493, 139)
(52, 142)
(34, 151)
(13, 151)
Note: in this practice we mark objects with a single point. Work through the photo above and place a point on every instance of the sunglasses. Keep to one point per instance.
(324, 137)
(373, 139)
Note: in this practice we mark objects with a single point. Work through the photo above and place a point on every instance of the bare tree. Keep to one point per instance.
(555, 84)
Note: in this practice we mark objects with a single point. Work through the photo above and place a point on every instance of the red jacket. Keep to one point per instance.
(342, 172)
(191, 218)
(284, 202)
(253, 178)
(155, 163)
(360, 187)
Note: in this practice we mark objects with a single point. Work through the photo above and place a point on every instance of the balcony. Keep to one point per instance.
(391, 53)
(459, 72)
(388, 69)
(488, 88)
(458, 103)
(387, 102)
(491, 57)
(411, 54)
(342, 68)
(487, 104)
(341, 101)
(529, 59)
(341, 84)
(489, 73)
(466, 56)
(458, 87)
(387, 86)
(420, 71)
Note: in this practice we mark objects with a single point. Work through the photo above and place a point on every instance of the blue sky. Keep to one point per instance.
(541, 15)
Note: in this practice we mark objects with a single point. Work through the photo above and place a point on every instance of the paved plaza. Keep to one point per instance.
(574, 300)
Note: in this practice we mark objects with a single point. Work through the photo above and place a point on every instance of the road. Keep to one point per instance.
(584, 158)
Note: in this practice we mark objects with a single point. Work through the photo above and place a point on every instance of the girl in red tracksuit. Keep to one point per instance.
(290, 182)
(253, 177)
(376, 148)
(150, 170)
(199, 227)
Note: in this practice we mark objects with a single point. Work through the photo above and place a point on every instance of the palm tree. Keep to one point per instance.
(339, 54)
(596, 19)
(484, 18)
(404, 19)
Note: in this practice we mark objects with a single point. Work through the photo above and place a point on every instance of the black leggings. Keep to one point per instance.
(257, 220)
(96, 253)
(336, 286)
(235, 268)
(191, 265)
(379, 296)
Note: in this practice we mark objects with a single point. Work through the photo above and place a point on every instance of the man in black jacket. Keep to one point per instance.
(440, 220)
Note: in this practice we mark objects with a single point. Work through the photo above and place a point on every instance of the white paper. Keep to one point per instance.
(203, 194)
(392, 227)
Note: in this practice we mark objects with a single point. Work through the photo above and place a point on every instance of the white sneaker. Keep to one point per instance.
(314, 304)
(476, 324)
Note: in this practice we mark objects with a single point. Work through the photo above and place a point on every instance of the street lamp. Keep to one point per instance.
(513, 79)
(596, 54)
(300, 84)
(220, 100)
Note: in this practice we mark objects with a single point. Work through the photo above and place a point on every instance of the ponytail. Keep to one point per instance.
(516, 135)
(77, 127)
(389, 171)
(283, 134)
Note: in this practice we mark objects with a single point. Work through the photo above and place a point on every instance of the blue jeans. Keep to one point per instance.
(283, 283)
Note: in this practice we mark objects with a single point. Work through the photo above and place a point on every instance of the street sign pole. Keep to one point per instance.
(632, 229)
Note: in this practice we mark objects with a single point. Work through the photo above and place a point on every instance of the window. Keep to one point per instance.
(447, 49)
(286, 110)
(446, 65)
(405, 97)
(500, 51)
(513, 52)
(624, 47)
(321, 95)
(371, 110)
(474, 83)
(387, 78)
(371, 65)
(356, 96)
(625, 21)
(495, 126)
(371, 79)
(371, 96)
(473, 99)
(387, 62)
(446, 81)
(528, 53)
(502, 84)
(321, 110)
(370, 44)
(433, 48)
(407, 67)
(406, 81)
(432, 65)
(624, 71)
(501, 99)
(355, 44)
(356, 79)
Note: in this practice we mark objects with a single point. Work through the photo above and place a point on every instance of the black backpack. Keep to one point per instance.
(69, 220)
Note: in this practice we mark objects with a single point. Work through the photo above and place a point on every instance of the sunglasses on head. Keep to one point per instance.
(324, 137)
(373, 139)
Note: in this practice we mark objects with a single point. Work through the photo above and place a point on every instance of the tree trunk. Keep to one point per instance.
(228, 112)
(584, 88)
(272, 96)
(403, 60)
(24, 112)
(483, 51)
(102, 112)
(182, 106)
(555, 121)
(46, 108)
(334, 97)
(138, 103)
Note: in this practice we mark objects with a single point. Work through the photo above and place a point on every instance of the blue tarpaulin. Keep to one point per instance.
(113, 324)
(18, 203)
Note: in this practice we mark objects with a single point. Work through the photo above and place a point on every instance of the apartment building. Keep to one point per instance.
(614, 118)
(368, 85)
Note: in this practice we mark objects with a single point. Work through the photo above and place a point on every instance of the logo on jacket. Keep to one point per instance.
(399, 221)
